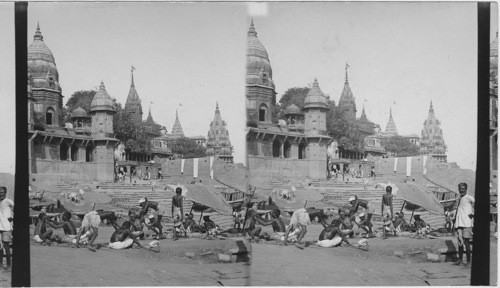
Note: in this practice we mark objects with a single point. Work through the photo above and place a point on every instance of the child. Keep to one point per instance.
(210, 226)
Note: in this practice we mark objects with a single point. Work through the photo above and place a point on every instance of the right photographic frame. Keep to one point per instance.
(362, 124)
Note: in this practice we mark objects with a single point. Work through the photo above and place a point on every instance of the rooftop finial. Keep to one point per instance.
(315, 83)
(38, 33)
(176, 114)
(346, 67)
(431, 105)
(132, 72)
(217, 105)
(390, 112)
(251, 31)
(101, 87)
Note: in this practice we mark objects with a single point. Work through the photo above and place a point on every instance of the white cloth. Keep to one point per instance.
(408, 166)
(121, 245)
(195, 167)
(395, 164)
(211, 169)
(424, 161)
(6, 212)
(330, 243)
(182, 165)
(465, 208)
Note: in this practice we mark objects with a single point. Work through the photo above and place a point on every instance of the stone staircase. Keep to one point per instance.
(127, 196)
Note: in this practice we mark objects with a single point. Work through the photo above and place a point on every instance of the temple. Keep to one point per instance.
(293, 147)
(82, 149)
(432, 141)
(218, 142)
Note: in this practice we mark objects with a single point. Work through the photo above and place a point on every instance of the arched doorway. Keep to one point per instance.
(49, 116)
(286, 149)
(263, 113)
(89, 152)
(63, 151)
(276, 148)
(302, 151)
(74, 152)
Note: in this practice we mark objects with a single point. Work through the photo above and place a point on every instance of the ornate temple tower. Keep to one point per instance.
(218, 142)
(177, 128)
(390, 129)
(432, 141)
(259, 90)
(133, 103)
(44, 78)
(315, 108)
(347, 102)
(102, 111)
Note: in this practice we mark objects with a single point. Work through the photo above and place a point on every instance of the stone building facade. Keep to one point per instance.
(290, 148)
(218, 142)
(432, 141)
(81, 152)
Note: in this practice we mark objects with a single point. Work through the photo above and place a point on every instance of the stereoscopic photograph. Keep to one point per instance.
(248, 143)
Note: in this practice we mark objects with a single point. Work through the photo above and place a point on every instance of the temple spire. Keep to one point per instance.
(132, 72)
(251, 31)
(431, 105)
(38, 33)
(346, 76)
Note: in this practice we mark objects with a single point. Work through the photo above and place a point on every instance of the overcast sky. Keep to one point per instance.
(193, 54)
(401, 55)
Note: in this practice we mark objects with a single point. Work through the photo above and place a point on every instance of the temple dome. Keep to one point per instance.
(79, 113)
(257, 57)
(41, 61)
(102, 101)
(292, 109)
(315, 97)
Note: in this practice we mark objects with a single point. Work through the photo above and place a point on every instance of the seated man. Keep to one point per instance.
(360, 220)
(210, 226)
(90, 223)
(122, 238)
(298, 225)
(419, 224)
(400, 222)
(42, 234)
(68, 226)
(137, 224)
(189, 224)
(331, 232)
(250, 228)
(277, 223)
(346, 226)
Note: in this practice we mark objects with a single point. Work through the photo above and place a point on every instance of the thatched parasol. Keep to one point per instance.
(421, 196)
(449, 178)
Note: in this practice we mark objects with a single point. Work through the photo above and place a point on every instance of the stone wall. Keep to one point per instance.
(172, 168)
(81, 171)
(388, 168)
(304, 168)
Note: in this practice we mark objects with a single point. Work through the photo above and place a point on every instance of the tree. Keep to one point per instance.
(295, 95)
(133, 134)
(400, 146)
(343, 130)
(187, 148)
(82, 98)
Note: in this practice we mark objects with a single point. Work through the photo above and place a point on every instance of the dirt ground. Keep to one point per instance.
(195, 262)
(273, 264)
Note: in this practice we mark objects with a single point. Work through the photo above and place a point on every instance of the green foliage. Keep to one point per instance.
(186, 148)
(82, 98)
(400, 146)
(131, 133)
(343, 130)
(295, 95)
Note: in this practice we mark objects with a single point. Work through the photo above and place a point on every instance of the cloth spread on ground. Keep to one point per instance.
(195, 167)
(330, 243)
(121, 245)
(37, 239)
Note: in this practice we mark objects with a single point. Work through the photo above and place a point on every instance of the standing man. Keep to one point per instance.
(177, 210)
(6, 217)
(463, 224)
(387, 208)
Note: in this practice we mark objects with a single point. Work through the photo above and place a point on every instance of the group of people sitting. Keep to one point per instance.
(129, 232)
